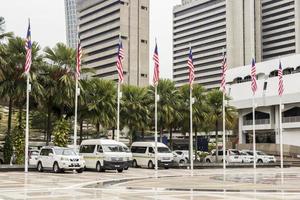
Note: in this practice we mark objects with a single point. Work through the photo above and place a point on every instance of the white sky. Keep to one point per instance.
(48, 25)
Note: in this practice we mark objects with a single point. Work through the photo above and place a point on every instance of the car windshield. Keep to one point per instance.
(250, 153)
(260, 153)
(179, 152)
(65, 152)
(243, 153)
(163, 150)
(126, 149)
(112, 148)
(234, 152)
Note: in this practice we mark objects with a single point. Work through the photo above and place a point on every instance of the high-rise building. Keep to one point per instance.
(242, 29)
(71, 23)
(101, 23)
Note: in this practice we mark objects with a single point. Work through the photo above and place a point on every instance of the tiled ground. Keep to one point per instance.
(174, 184)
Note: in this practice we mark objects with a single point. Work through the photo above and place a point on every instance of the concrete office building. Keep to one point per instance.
(263, 29)
(100, 25)
(71, 23)
(267, 101)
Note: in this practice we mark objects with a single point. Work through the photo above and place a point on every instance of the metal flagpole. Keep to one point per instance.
(224, 128)
(155, 135)
(27, 123)
(191, 130)
(118, 113)
(280, 130)
(254, 142)
(75, 118)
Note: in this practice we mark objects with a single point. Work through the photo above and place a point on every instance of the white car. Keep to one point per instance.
(33, 157)
(59, 159)
(231, 157)
(185, 153)
(246, 158)
(179, 157)
(261, 157)
(144, 155)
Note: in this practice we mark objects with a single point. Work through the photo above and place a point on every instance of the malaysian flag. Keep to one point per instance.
(28, 48)
(224, 69)
(78, 59)
(156, 66)
(120, 57)
(191, 68)
(253, 77)
(280, 83)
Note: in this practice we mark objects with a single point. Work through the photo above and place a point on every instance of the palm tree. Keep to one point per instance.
(135, 111)
(99, 96)
(13, 81)
(168, 105)
(214, 101)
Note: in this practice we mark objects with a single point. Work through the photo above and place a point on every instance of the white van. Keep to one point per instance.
(144, 155)
(128, 154)
(103, 154)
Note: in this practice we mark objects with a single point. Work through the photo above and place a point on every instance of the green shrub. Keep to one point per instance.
(61, 132)
(19, 144)
(7, 149)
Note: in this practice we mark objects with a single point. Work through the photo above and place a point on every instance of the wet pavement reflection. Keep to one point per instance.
(173, 184)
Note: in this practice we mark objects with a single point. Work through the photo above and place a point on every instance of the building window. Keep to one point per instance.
(144, 8)
(144, 75)
(144, 41)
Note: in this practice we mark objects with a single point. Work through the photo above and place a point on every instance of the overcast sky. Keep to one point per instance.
(48, 25)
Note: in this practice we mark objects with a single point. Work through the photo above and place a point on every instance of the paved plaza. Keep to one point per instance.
(172, 184)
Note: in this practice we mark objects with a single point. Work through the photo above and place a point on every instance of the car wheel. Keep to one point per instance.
(259, 161)
(79, 170)
(126, 168)
(99, 168)
(150, 165)
(134, 164)
(182, 161)
(207, 160)
(56, 168)
(120, 170)
(40, 167)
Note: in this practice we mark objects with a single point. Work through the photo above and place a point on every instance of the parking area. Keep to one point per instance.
(206, 184)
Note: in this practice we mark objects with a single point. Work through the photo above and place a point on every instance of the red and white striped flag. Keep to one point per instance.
(191, 68)
(280, 78)
(78, 59)
(224, 69)
(120, 57)
(156, 66)
(28, 47)
(253, 77)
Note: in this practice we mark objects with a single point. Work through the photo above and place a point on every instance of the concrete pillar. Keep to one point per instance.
(242, 137)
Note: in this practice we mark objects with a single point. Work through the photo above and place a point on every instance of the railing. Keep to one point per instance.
(257, 121)
(291, 119)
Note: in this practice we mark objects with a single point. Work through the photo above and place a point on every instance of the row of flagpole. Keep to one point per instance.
(120, 57)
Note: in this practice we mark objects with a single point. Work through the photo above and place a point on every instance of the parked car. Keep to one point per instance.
(104, 154)
(1, 156)
(33, 155)
(179, 157)
(185, 154)
(59, 159)
(232, 156)
(144, 155)
(261, 157)
(246, 158)
(128, 155)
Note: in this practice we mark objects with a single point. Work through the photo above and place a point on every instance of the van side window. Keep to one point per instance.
(151, 150)
(99, 149)
(87, 149)
(138, 149)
